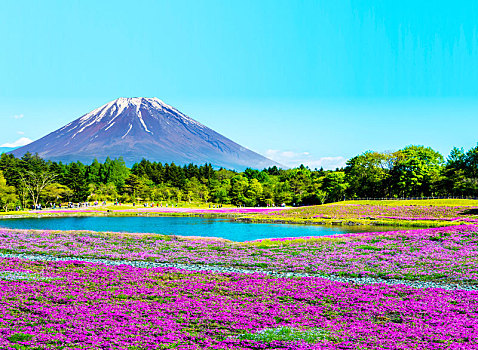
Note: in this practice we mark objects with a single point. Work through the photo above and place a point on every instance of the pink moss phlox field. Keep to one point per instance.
(63, 211)
(462, 219)
(165, 210)
(356, 211)
(206, 211)
(440, 254)
(93, 306)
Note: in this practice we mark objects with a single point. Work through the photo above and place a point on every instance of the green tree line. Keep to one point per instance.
(414, 171)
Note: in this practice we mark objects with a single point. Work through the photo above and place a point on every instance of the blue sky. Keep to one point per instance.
(313, 82)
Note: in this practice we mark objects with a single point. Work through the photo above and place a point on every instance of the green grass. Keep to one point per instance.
(266, 243)
(19, 337)
(268, 335)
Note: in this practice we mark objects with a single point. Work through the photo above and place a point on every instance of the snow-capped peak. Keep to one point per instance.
(142, 106)
(136, 127)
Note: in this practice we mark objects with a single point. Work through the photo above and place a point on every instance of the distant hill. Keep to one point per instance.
(137, 128)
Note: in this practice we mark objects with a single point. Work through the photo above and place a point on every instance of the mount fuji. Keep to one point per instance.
(136, 128)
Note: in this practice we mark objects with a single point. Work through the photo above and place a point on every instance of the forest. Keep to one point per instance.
(414, 171)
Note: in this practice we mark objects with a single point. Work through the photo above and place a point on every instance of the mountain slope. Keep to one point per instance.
(137, 128)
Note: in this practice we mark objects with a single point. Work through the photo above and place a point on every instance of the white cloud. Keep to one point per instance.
(20, 133)
(294, 159)
(18, 116)
(18, 143)
(327, 163)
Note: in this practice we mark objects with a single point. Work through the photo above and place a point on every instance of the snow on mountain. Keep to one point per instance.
(137, 128)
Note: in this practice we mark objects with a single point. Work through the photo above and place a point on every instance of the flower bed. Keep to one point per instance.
(447, 254)
(459, 219)
(165, 210)
(356, 211)
(93, 306)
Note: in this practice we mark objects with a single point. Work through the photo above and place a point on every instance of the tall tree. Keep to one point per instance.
(335, 185)
(367, 174)
(56, 192)
(417, 172)
(75, 179)
(115, 171)
(94, 171)
(134, 186)
(35, 183)
(239, 186)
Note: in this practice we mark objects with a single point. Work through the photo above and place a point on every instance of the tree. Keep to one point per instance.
(103, 192)
(282, 193)
(93, 172)
(162, 192)
(460, 176)
(179, 195)
(133, 185)
(115, 171)
(367, 174)
(204, 194)
(175, 176)
(334, 185)
(321, 196)
(300, 181)
(219, 190)
(35, 183)
(239, 186)
(55, 192)
(75, 179)
(471, 163)
(251, 173)
(34, 163)
(192, 188)
(254, 192)
(7, 193)
(417, 171)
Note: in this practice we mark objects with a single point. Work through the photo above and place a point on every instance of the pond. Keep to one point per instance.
(186, 226)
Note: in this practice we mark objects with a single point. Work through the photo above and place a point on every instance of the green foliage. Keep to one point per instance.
(460, 176)
(335, 185)
(134, 186)
(416, 170)
(76, 180)
(115, 171)
(413, 171)
(368, 247)
(367, 174)
(20, 337)
(8, 197)
(287, 334)
(239, 185)
(102, 192)
(57, 193)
